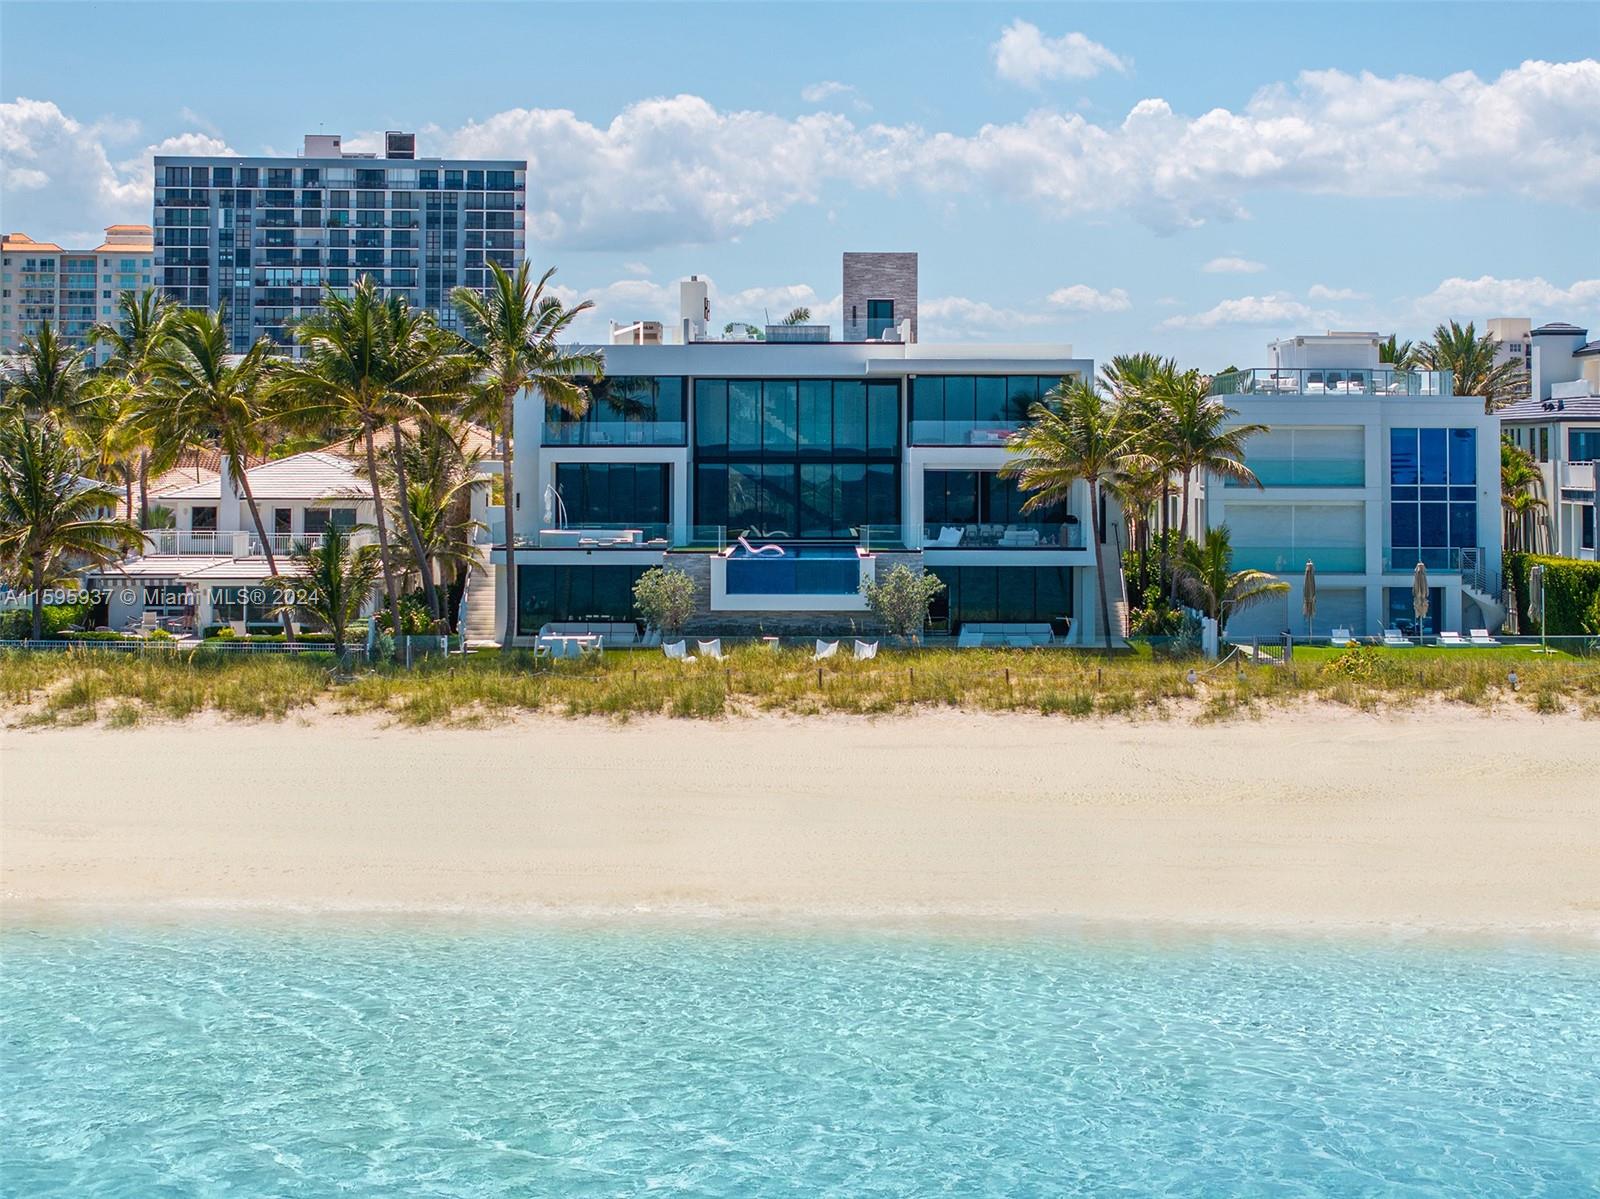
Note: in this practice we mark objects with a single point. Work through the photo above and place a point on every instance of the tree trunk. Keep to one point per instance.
(144, 489)
(383, 533)
(127, 491)
(508, 508)
(266, 545)
(1166, 539)
(1099, 568)
(403, 499)
(38, 600)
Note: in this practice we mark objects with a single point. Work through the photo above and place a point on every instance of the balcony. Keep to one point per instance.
(593, 535)
(1352, 382)
(615, 433)
(1577, 389)
(1017, 535)
(237, 543)
(798, 334)
(1306, 472)
(1577, 476)
(1292, 559)
(994, 433)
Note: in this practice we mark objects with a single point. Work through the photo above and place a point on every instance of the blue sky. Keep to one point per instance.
(1193, 178)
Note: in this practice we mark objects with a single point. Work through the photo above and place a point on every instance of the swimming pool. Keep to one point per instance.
(824, 568)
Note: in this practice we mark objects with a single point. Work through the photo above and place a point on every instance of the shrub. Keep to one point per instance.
(1571, 590)
(1361, 664)
(220, 632)
(160, 635)
(664, 598)
(902, 600)
(17, 624)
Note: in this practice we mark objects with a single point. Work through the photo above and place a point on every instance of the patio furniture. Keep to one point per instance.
(1481, 637)
(1339, 637)
(755, 551)
(1453, 639)
(710, 649)
(240, 629)
(866, 650)
(949, 537)
(826, 649)
(1394, 638)
(678, 651)
(149, 621)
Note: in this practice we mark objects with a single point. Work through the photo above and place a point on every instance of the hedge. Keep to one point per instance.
(1571, 593)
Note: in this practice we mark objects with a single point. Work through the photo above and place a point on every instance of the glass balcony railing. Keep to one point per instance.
(1292, 559)
(1018, 535)
(1440, 558)
(1287, 381)
(1306, 472)
(608, 433)
(962, 432)
(599, 535)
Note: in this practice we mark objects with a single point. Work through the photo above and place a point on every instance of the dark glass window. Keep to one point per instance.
(1431, 522)
(1008, 594)
(880, 317)
(203, 518)
(616, 493)
(547, 594)
(1403, 456)
(1583, 445)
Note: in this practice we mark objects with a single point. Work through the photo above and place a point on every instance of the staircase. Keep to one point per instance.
(1479, 586)
(481, 628)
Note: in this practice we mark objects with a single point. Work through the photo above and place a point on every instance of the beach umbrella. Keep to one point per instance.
(1536, 596)
(1419, 594)
(1309, 603)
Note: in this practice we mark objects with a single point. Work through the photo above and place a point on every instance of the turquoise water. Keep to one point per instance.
(305, 1062)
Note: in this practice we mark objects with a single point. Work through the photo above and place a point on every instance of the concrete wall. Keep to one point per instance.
(878, 277)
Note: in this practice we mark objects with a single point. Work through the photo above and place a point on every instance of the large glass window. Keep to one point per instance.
(880, 318)
(973, 409)
(1002, 594)
(1583, 445)
(548, 594)
(970, 509)
(1433, 498)
(616, 493)
(624, 410)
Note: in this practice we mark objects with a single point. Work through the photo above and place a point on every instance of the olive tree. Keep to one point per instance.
(665, 598)
(901, 601)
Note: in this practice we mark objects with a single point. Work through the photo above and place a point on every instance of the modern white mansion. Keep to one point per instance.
(1365, 471)
(852, 456)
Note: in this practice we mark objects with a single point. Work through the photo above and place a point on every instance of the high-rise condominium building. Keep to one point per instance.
(261, 237)
(72, 289)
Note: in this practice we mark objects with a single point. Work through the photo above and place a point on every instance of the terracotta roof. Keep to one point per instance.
(21, 241)
(129, 228)
(126, 247)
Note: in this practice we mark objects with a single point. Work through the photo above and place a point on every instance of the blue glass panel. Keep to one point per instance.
(816, 415)
(1403, 456)
(1403, 526)
(1463, 525)
(744, 416)
(779, 417)
(1434, 495)
(711, 413)
(1463, 456)
(1431, 456)
(1434, 524)
(990, 407)
(1583, 445)
(1464, 495)
(1404, 494)
(927, 398)
(960, 398)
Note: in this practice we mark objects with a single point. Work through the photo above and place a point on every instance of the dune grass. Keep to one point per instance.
(124, 690)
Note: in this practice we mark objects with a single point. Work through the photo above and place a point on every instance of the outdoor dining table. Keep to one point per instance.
(569, 645)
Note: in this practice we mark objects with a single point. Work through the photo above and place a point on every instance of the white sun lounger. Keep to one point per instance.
(826, 649)
(678, 651)
(1394, 637)
(1481, 637)
(865, 650)
(710, 649)
(1339, 637)
(758, 550)
(1452, 639)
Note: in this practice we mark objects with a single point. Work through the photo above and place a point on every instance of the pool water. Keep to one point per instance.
(542, 1061)
(819, 569)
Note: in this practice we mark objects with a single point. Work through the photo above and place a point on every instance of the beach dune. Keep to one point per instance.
(1319, 820)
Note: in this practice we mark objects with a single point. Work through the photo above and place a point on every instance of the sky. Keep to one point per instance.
(1196, 179)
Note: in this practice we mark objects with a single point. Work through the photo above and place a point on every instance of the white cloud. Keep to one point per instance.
(832, 89)
(1336, 294)
(1025, 56)
(1234, 266)
(1277, 309)
(636, 268)
(1082, 298)
(957, 318)
(1487, 296)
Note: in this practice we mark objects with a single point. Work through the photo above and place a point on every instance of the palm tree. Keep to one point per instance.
(52, 519)
(1073, 434)
(333, 583)
(136, 338)
(47, 377)
(1132, 381)
(1208, 581)
(1401, 355)
(1196, 431)
(798, 316)
(370, 362)
(514, 331)
(100, 429)
(1522, 498)
(203, 395)
(1471, 359)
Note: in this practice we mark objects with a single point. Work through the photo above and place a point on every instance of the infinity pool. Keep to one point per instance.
(824, 569)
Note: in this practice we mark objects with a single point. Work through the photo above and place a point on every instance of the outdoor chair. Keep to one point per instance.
(866, 650)
(710, 649)
(1394, 637)
(755, 551)
(1481, 637)
(826, 649)
(1339, 637)
(678, 651)
(240, 629)
(1452, 639)
(149, 622)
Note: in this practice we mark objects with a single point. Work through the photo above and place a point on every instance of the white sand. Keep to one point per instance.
(1318, 820)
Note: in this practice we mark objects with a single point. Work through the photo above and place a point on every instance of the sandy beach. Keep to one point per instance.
(1324, 819)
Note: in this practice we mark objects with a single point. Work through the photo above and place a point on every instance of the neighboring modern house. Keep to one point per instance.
(261, 237)
(1514, 335)
(1365, 471)
(851, 456)
(1559, 425)
(72, 289)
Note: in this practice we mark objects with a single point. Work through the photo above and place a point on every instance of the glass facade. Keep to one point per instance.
(796, 458)
(1433, 496)
(563, 593)
(1583, 445)
(1002, 594)
(624, 410)
(609, 494)
(986, 508)
(880, 318)
(972, 409)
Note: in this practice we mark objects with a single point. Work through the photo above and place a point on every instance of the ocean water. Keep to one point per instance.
(554, 1062)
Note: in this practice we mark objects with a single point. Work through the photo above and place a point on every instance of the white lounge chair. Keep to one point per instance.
(149, 621)
(1481, 637)
(1452, 639)
(865, 650)
(826, 649)
(1339, 637)
(710, 649)
(949, 537)
(240, 629)
(678, 651)
(1394, 637)
(755, 551)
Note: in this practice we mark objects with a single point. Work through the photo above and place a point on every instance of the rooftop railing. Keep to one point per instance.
(607, 433)
(1328, 381)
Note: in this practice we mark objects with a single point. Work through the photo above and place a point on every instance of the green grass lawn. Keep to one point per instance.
(117, 689)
